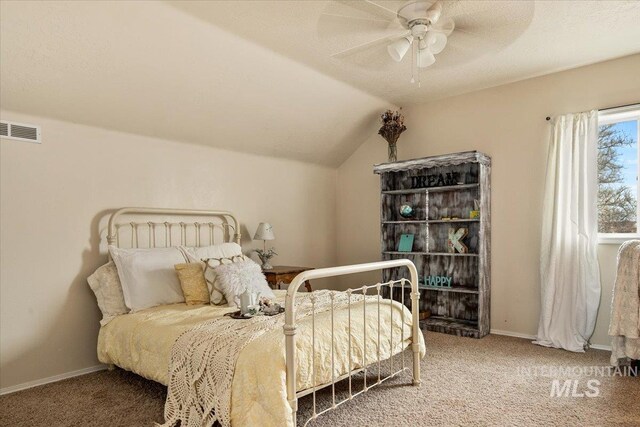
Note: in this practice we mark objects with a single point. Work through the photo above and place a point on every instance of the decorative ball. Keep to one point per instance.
(406, 211)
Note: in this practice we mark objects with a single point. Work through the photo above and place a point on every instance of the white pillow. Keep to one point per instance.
(222, 250)
(148, 276)
(105, 283)
(236, 277)
(211, 257)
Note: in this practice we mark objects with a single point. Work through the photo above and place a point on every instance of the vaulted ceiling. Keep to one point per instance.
(494, 42)
(259, 76)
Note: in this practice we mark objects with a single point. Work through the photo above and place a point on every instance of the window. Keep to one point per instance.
(618, 185)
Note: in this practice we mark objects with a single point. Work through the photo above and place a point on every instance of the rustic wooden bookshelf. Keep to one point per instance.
(442, 190)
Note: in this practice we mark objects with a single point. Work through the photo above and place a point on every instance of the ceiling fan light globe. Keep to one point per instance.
(398, 49)
(436, 42)
(425, 58)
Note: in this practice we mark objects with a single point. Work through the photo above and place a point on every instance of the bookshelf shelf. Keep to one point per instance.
(430, 253)
(452, 188)
(456, 187)
(461, 289)
(452, 221)
(422, 221)
(449, 325)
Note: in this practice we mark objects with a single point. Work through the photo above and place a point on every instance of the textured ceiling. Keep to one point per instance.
(147, 68)
(259, 76)
(495, 42)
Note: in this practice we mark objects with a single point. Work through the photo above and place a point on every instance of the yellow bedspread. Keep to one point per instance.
(141, 342)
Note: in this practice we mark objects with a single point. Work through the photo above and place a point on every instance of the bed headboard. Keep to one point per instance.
(156, 227)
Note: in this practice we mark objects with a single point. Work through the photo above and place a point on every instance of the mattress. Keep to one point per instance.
(141, 342)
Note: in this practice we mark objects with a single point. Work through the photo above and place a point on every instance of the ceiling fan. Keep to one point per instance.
(425, 33)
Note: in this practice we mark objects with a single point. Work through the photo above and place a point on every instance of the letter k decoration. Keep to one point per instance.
(455, 240)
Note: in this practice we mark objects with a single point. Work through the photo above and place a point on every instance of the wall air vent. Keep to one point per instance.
(20, 132)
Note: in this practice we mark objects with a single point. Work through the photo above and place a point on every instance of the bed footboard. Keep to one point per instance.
(290, 330)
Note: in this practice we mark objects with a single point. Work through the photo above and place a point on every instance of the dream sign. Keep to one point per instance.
(435, 180)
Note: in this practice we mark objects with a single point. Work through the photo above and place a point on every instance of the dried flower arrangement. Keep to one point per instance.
(392, 127)
(265, 256)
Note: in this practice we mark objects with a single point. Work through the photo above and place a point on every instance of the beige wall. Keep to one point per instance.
(508, 123)
(54, 198)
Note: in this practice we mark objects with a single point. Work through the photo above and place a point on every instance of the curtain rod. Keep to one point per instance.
(608, 108)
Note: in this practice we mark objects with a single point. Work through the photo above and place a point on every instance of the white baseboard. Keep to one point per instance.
(512, 334)
(601, 347)
(533, 337)
(60, 377)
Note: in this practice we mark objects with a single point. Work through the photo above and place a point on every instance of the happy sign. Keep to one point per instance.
(437, 281)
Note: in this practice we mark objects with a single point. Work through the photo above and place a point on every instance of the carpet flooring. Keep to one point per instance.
(495, 381)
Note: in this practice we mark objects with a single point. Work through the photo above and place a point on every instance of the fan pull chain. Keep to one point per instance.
(414, 60)
(416, 69)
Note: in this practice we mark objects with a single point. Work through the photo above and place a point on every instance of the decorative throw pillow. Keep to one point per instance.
(148, 277)
(236, 277)
(192, 283)
(213, 282)
(211, 257)
(105, 283)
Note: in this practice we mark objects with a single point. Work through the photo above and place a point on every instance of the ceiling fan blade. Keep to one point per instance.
(361, 8)
(370, 44)
(445, 26)
(391, 13)
(460, 9)
(356, 18)
(434, 12)
(486, 31)
(416, 9)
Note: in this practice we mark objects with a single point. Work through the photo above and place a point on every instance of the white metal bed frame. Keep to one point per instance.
(113, 228)
(229, 226)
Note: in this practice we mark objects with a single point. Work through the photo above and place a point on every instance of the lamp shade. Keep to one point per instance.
(264, 232)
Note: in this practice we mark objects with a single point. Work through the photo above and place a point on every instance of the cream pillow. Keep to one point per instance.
(192, 283)
(211, 257)
(105, 283)
(236, 277)
(148, 277)
(222, 250)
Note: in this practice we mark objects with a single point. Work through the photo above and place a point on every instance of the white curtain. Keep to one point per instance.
(569, 271)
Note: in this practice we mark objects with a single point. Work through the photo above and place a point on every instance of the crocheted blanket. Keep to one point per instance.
(203, 361)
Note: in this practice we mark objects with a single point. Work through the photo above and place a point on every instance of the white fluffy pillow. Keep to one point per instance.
(148, 276)
(105, 283)
(236, 277)
(211, 257)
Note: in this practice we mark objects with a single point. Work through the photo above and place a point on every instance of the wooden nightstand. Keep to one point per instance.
(280, 274)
